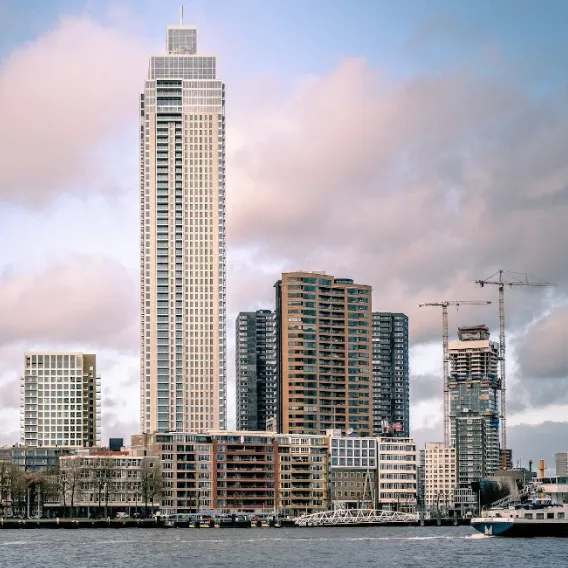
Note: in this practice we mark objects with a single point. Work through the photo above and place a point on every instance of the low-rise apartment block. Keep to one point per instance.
(104, 483)
(290, 474)
(187, 462)
(302, 465)
(397, 474)
(353, 473)
(375, 472)
(244, 470)
(440, 477)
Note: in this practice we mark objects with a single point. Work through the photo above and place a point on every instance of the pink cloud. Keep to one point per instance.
(82, 300)
(417, 188)
(62, 97)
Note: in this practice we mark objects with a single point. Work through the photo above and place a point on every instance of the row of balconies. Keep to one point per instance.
(303, 497)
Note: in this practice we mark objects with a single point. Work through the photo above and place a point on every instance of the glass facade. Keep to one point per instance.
(183, 328)
(391, 397)
(256, 370)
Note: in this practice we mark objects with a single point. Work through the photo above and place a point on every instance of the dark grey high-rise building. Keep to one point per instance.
(391, 405)
(257, 402)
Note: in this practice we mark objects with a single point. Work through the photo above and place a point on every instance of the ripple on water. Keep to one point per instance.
(382, 547)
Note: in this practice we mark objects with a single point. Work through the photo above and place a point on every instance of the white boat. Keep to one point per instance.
(538, 517)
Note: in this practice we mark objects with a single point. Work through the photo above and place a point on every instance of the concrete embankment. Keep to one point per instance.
(159, 523)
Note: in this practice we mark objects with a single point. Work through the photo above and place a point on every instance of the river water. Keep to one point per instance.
(383, 547)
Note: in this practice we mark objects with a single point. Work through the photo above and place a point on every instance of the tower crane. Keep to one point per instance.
(502, 278)
(446, 364)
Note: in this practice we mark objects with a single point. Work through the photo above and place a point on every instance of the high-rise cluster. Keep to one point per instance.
(322, 361)
(322, 380)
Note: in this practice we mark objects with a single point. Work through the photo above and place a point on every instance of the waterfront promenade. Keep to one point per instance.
(16, 524)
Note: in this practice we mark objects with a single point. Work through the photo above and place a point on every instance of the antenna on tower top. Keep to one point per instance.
(181, 15)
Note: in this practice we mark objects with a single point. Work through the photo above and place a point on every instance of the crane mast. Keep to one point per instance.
(499, 279)
(446, 355)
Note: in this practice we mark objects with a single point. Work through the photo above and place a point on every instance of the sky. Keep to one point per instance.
(414, 146)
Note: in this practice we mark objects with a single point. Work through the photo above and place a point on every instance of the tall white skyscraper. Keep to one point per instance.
(182, 190)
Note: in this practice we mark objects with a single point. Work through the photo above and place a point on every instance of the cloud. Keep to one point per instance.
(542, 352)
(425, 387)
(114, 426)
(11, 359)
(9, 438)
(62, 97)
(530, 442)
(79, 300)
(10, 394)
(425, 434)
(539, 375)
(418, 188)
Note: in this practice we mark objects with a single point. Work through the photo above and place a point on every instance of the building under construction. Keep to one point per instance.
(474, 391)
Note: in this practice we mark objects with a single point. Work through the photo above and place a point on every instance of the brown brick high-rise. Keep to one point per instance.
(324, 343)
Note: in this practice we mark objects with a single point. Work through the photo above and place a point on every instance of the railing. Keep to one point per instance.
(529, 490)
(354, 517)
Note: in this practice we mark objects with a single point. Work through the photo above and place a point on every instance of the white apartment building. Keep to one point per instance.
(113, 481)
(397, 472)
(440, 477)
(60, 400)
(359, 453)
(373, 471)
(353, 473)
(182, 279)
(561, 459)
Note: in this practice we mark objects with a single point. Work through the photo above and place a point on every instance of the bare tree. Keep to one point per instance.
(150, 481)
(5, 493)
(193, 500)
(50, 490)
(101, 475)
(18, 488)
(71, 478)
(108, 469)
(61, 486)
(36, 488)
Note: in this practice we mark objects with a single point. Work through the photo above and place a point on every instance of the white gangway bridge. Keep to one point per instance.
(341, 517)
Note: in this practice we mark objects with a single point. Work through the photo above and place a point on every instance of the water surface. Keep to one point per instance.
(383, 547)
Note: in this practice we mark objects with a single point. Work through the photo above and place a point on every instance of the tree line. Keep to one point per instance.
(74, 482)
